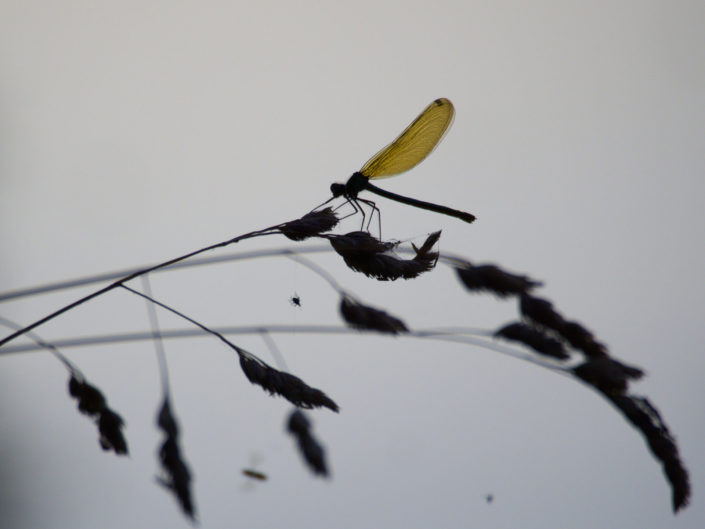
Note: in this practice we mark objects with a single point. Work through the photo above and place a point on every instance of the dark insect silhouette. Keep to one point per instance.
(409, 149)
(295, 300)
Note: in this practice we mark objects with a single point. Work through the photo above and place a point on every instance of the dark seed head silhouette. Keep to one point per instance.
(410, 148)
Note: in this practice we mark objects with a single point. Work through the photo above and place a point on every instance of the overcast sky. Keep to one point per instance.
(133, 132)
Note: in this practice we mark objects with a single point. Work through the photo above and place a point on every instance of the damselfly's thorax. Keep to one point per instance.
(356, 183)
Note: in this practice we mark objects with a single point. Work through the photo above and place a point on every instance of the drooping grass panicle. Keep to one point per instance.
(310, 225)
(259, 372)
(367, 318)
(535, 338)
(646, 418)
(91, 400)
(491, 278)
(609, 377)
(284, 384)
(92, 403)
(364, 253)
(311, 450)
(176, 476)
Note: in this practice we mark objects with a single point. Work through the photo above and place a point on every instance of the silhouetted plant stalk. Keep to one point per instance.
(176, 476)
(259, 372)
(554, 342)
(299, 229)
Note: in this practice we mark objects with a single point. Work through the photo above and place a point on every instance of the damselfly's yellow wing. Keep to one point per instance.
(414, 144)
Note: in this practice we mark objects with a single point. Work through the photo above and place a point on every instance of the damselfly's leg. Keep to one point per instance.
(374, 209)
(356, 204)
(355, 211)
(324, 203)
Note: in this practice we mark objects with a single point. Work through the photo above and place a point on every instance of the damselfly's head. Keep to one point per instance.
(337, 190)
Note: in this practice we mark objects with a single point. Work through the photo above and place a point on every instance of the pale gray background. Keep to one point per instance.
(132, 132)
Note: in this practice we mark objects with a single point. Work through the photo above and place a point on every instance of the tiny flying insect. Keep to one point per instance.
(254, 474)
(295, 300)
(409, 149)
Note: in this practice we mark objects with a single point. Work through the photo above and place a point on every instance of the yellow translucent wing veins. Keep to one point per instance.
(414, 143)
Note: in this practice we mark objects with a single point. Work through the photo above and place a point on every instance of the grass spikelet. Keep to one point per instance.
(541, 312)
(645, 418)
(359, 243)
(491, 278)
(362, 317)
(92, 403)
(534, 338)
(313, 453)
(110, 427)
(90, 399)
(607, 374)
(425, 251)
(364, 253)
(177, 477)
(284, 384)
(582, 339)
(310, 225)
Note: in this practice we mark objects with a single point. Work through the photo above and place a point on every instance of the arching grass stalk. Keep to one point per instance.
(176, 475)
(299, 229)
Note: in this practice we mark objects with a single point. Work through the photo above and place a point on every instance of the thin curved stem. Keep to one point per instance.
(156, 336)
(119, 282)
(43, 344)
(449, 259)
(470, 336)
(182, 315)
